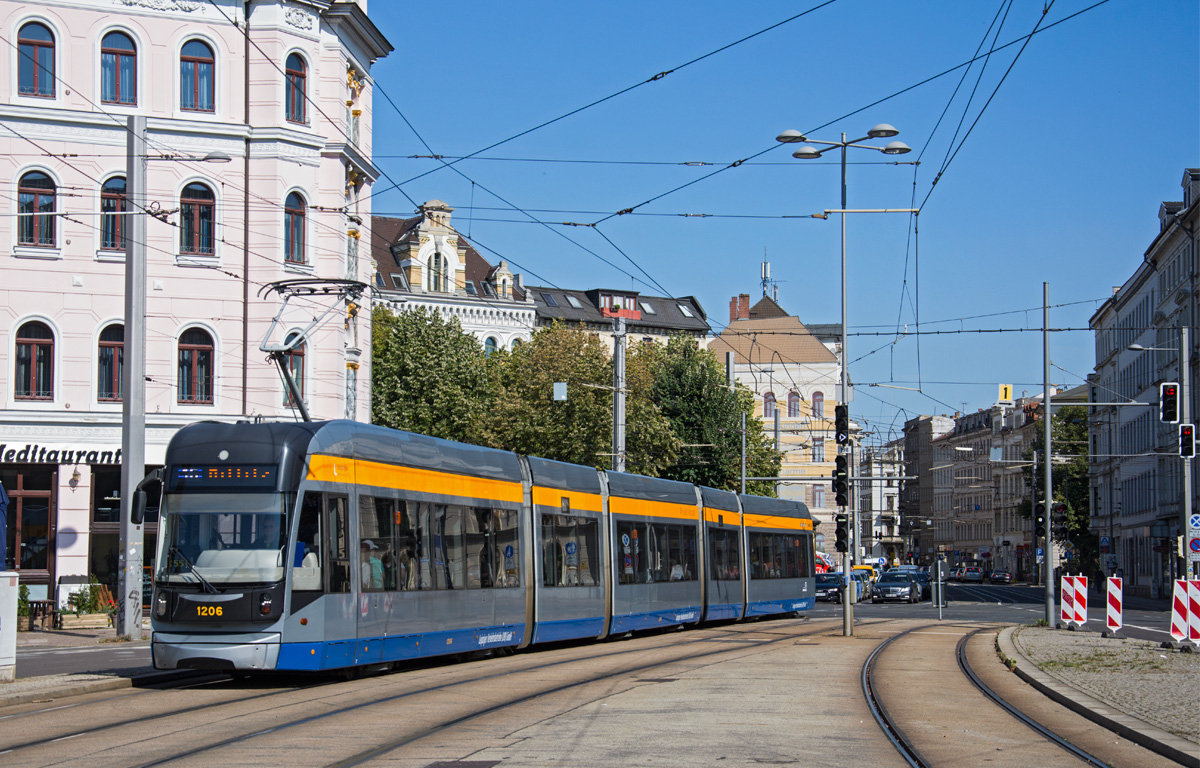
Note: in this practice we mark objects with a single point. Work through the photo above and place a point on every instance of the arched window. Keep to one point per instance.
(293, 229)
(490, 345)
(197, 88)
(769, 405)
(437, 272)
(35, 61)
(118, 69)
(35, 208)
(295, 366)
(111, 363)
(195, 367)
(818, 405)
(34, 375)
(793, 405)
(295, 89)
(112, 222)
(196, 219)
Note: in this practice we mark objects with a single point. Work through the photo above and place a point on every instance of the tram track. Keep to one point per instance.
(682, 647)
(911, 740)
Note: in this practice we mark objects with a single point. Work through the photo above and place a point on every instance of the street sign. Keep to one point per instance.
(1105, 543)
(1040, 554)
(1194, 521)
(1194, 545)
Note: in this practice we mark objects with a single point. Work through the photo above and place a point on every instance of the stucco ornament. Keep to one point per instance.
(186, 6)
(298, 18)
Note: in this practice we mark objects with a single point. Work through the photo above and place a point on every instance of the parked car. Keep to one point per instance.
(1001, 576)
(858, 584)
(926, 584)
(973, 573)
(864, 583)
(829, 587)
(957, 573)
(898, 586)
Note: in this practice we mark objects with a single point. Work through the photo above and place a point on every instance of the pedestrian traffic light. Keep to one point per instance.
(841, 478)
(1168, 402)
(841, 424)
(1059, 521)
(843, 533)
(1039, 520)
(1187, 440)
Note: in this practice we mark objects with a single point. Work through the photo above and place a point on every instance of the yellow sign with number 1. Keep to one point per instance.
(1006, 393)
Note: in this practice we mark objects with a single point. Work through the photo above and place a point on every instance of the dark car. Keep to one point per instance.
(829, 587)
(926, 584)
(1000, 576)
(898, 586)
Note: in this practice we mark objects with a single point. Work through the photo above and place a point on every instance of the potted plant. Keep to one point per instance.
(24, 617)
(84, 609)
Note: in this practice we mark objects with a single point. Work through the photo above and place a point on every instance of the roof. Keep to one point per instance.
(766, 308)
(653, 311)
(771, 339)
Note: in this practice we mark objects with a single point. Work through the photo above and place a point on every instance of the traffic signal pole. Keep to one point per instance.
(1048, 556)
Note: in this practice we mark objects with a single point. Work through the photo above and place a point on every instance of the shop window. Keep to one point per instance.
(29, 532)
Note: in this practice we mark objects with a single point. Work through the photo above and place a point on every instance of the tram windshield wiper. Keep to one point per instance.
(174, 550)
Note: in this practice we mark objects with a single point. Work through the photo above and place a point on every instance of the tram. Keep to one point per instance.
(327, 545)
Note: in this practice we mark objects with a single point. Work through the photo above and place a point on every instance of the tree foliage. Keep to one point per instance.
(428, 376)
(1069, 481)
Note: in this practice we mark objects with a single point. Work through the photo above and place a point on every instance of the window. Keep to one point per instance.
(655, 553)
(113, 203)
(35, 64)
(793, 405)
(118, 69)
(574, 302)
(686, 312)
(437, 272)
(196, 220)
(111, 364)
(769, 405)
(550, 302)
(35, 362)
(818, 451)
(489, 345)
(35, 209)
(195, 367)
(295, 366)
(647, 308)
(818, 405)
(293, 229)
(470, 286)
(725, 555)
(818, 497)
(570, 551)
(196, 82)
(294, 89)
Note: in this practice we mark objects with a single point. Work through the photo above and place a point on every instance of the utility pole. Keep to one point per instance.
(619, 394)
(1051, 618)
(1186, 531)
(133, 384)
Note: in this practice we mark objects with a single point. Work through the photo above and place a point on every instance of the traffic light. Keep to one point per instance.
(1187, 440)
(1168, 402)
(843, 533)
(1039, 520)
(1059, 521)
(841, 478)
(841, 424)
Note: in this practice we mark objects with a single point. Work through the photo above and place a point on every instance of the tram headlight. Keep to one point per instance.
(160, 605)
(264, 604)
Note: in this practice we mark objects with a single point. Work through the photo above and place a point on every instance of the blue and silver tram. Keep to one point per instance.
(326, 545)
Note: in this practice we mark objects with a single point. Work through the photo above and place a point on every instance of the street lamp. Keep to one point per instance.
(133, 374)
(807, 152)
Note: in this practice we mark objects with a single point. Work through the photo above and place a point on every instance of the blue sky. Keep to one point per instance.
(1058, 180)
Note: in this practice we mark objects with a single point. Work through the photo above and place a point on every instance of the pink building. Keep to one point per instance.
(286, 100)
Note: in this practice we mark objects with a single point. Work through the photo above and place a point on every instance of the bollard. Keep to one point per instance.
(1073, 598)
(9, 587)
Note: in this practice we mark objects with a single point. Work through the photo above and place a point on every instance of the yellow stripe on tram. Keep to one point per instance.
(552, 497)
(779, 521)
(622, 506)
(336, 469)
(726, 517)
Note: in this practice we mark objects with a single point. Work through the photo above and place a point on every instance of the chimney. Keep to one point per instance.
(744, 306)
(733, 309)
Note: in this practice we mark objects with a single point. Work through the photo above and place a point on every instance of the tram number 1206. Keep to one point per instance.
(208, 610)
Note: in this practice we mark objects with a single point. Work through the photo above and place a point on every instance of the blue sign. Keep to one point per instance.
(570, 547)
(508, 551)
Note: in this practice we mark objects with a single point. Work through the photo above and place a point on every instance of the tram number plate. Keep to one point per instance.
(209, 610)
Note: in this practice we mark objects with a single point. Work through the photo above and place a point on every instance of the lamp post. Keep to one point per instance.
(808, 152)
(133, 374)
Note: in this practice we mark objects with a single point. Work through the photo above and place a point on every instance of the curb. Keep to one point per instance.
(46, 688)
(1127, 726)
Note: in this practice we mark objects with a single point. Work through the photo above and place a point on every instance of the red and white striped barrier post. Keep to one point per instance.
(1074, 600)
(1115, 614)
(1193, 593)
(1179, 611)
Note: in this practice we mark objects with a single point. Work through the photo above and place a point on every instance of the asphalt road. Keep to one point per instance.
(34, 662)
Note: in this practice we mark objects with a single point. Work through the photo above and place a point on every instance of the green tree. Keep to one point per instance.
(525, 417)
(651, 444)
(1069, 478)
(691, 391)
(428, 376)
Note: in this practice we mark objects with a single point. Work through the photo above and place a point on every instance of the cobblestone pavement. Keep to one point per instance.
(1157, 685)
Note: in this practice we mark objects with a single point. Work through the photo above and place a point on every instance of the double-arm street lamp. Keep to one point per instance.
(809, 152)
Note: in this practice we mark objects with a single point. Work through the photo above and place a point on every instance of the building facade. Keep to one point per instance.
(284, 98)
(926, 489)
(882, 528)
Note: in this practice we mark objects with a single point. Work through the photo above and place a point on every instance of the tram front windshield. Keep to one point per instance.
(216, 540)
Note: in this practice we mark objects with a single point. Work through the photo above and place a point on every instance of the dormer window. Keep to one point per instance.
(437, 282)
(574, 302)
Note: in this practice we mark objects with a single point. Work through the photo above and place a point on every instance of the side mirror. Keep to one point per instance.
(138, 513)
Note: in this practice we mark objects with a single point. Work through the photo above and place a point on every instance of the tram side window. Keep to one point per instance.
(724, 556)
(481, 548)
(569, 544)
(779, 556)
(377, 569)
(508, 547)
(408, 546)
(647, 553)
(337, 545)
(306, 563)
